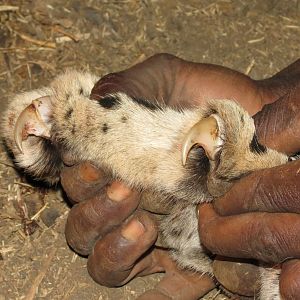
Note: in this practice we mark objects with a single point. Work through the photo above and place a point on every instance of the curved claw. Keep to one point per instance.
(205, 133)
(32, 121)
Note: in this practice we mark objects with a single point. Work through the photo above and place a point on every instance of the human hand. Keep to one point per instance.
(94, 224)
(263, 222)
(118, 239)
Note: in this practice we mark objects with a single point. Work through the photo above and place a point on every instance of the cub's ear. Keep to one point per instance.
(34, 120)
(207, 133)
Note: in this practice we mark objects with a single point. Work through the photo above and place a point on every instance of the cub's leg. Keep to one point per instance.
(180, 233)
(269, 284)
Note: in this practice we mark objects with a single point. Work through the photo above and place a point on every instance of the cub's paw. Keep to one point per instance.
(31, 152)
(227, 134)
(27, 124)
(241, 152)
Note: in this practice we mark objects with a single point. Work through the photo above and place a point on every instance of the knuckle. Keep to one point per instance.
(273, 194)
(268, 197)
(266, 242)
(273, 197)
(260, 195)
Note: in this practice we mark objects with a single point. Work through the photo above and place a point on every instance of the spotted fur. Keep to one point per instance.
(140, 143)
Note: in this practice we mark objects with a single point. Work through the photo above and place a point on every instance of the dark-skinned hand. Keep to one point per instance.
(119, 239)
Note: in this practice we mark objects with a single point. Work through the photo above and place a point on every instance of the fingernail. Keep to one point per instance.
(89, 173)
(117, 191)
(133, 230)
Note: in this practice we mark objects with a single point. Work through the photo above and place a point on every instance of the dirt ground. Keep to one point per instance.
(38, 39)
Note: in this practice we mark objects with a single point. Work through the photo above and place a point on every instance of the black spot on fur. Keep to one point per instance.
(69, 113)
(124, 119)
(110, 102)
(105, 128)
(81, 91)
(242, 119)
(73, 129)
(146, 104)
(68, 96)
(173, 218)
(176, 232)
(256, 147)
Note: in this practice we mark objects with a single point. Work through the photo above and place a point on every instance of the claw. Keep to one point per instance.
(33, 121)
(205, 133)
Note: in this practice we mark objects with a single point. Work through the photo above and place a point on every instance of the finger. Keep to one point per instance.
(263, 236)
(290, 280)
(278, 123)
(121, 254)
(179, 82)
(239, 276)
(180, 285)
(82, 181)
(271, 190)
(89, 220)
(157, 71)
